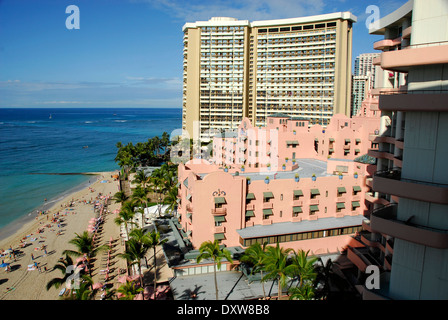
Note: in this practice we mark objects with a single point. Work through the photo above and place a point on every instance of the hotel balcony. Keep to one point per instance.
(386, 43)
(370, 197)
(361, 258)
(390, 182)
(380, 154)
(376, 61)
(384, 220)
(408, 101)
(219, 211)
(406, 33)
(412, 56)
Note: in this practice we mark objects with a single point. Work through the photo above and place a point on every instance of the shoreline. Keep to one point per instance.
(31, 221)
(75, 208)
(25, 221)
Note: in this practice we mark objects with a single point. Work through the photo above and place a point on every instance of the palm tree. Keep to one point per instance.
(139, 196)
(62, 265)
(171, 199)
(277, 267)
(154, 237)
(85, 290)
(304, 266)
(135, 252)
(129, 290)
(141, 179)
(125, 216)
(255, 255)
(305, 292)
(119, 197)
(85, 247)
(212, 250)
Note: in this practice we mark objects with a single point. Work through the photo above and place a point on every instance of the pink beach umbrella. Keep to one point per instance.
(122, 279)
(139, 296)
(80, 259)
(97, 285)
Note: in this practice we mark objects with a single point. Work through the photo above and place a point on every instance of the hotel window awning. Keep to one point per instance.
(295, 142)
(341, 190)
(267, 212)
(347, 140)
(268, 195)
(355, 204)
(357, 150)
(315, 191)
(219, 236)
(297, 209)
(189, 197)
(314, 208)
(220, 218)
(250, 213)
(331, 150)
(298, 193)
(356, 188)
(358, 140)
(250, 196)
(331, 139)
(220, 200)
(340, 205)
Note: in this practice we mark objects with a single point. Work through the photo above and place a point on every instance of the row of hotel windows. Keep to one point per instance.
(222, 42)
(301, 236)
(296, 53)
(298, 39)
(298, 28)
(232, 54)
(290, 67)
(222, 29)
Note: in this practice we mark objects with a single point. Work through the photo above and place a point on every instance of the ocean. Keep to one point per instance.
(65, 141)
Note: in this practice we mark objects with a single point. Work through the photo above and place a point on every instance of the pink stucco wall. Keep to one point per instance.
(201, 181)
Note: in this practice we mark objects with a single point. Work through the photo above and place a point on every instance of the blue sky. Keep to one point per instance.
(127, 53)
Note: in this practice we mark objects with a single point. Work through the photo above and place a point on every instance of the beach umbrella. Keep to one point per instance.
(97, 285)
(4, 264)
(80, 259)
(139, 296)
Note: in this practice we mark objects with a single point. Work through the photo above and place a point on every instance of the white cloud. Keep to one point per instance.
(190, 11)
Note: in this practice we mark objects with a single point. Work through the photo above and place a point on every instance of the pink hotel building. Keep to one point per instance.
(286, 182)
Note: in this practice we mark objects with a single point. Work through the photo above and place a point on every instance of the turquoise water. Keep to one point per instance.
(33, 142)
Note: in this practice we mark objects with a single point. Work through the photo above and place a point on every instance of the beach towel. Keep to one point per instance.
(31, 267)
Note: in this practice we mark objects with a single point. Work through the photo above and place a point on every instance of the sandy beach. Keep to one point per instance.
(45, 248)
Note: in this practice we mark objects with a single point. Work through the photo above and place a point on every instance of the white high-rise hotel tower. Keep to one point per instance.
(235, 68)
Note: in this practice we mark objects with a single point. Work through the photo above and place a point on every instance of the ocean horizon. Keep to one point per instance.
(37, 141)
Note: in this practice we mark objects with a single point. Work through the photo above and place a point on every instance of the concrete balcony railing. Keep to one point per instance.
(219, 211)
(220, 229)
(386, 43)
(427, 100)
(390, 182)
(416, 55)
(361, 258)
(380, 154)
(406, 33)
(384, 220)
(297, 203)
(376, 61)
(268, 205)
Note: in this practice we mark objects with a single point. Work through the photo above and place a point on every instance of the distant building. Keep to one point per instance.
(235, 69)
(363, 79)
